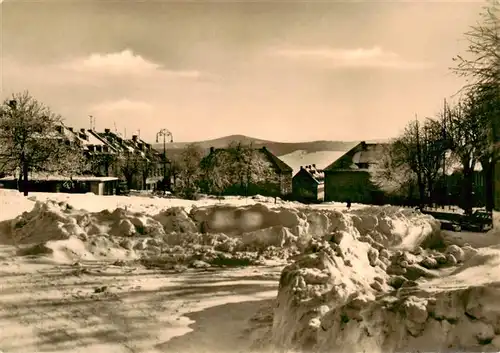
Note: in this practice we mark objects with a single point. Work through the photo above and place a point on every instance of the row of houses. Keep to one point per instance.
(346, 178)
(112, 161)
(349, 177)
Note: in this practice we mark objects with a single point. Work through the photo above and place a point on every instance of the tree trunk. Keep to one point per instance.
(430, 190)
(25, 178)
(488, 184)
(467, 188)
(421, 190)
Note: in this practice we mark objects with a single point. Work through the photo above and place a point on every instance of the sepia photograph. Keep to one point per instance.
(249, 176)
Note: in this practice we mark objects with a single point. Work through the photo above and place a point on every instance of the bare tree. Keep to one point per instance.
(480, 65)
(100, 164)
(486, 109)
(467, 137)
(237, 168)
(190, 171)
(130, 166)
(434, 146)
(30, 140)
(415, 156)
(393, 175)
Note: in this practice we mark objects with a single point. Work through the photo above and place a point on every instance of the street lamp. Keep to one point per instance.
(164, 133)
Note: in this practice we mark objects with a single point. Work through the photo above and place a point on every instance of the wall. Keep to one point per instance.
(304, 189)
(354, 185)
(496, 190)
(274, 183)
(95, 188)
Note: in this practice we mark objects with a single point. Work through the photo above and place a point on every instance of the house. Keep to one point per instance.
(274, 177)
(39, 182)
(109, 155)
(349, 177)
(98, 152)
(308, 185)
(139, 165)
(151, 171)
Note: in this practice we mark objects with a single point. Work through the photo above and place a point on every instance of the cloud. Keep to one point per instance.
(374, 57)
(121, 106)
(123, 113)
(124, 63)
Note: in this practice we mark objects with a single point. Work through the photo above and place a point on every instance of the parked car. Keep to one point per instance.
(122, 189)
(479, 221)
(449, 225)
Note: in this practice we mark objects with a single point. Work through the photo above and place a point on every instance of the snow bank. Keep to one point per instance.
(215, 234)
(377, 283)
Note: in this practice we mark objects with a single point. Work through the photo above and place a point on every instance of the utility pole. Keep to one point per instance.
(164, 133)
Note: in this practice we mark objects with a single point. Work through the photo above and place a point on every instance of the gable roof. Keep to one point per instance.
(345, 160)
(359, 156)
(282, 166)
(275, 161)
(317, 175)
(321, 159)
(371, 154)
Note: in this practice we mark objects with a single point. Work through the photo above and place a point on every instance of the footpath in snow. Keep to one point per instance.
(89, 273)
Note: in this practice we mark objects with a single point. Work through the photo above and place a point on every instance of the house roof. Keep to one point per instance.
(321, 159)
(342, 159)
(282, 166)
(278, 163)
(370, 155)
(316, 175)
(362, 153)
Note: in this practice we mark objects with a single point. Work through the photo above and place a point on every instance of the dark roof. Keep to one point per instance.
(278, 163)
(282, 166)
(345, 161)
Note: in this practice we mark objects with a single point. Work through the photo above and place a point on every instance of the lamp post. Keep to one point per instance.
(165, 133)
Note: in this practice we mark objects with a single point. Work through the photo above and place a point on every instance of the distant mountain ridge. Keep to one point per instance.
(278, 148)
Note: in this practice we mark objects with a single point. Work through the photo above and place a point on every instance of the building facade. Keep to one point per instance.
(349, 177)
(264, 174)
(308, 185)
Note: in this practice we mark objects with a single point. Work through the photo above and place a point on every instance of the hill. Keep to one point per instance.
(294, 154)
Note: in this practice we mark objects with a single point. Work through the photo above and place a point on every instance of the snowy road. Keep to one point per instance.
(47, 308)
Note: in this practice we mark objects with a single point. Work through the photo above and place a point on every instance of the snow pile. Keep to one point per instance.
(382, 282)
(213, 234)
(208, 235)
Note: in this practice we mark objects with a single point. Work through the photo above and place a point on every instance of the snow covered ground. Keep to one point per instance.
(86, 273)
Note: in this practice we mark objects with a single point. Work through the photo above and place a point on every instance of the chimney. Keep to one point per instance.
(70, 129)
(107, 131)
(82, 131)
(141, 146)
(301, 167)
(134, 138)
(314, 166)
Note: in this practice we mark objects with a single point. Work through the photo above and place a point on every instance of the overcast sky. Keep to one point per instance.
(279, 70)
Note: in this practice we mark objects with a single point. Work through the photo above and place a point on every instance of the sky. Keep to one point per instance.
(277, 70)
